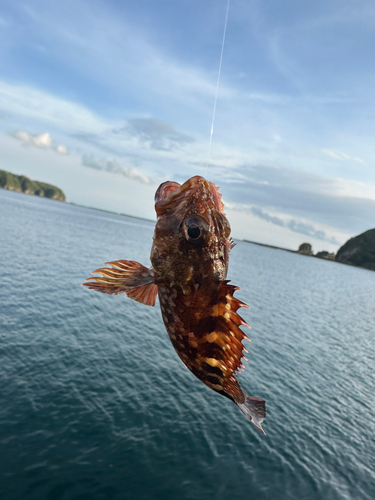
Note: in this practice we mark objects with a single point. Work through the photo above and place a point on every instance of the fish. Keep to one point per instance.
(190, 257)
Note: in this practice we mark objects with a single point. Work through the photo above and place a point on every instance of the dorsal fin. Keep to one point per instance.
(230, 326)
(217, 198)
(221, 346)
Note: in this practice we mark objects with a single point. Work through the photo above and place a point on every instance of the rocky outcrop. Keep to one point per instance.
(305, 249)
(322, 255)
(325, 255)
(359, 251)
(23, 184)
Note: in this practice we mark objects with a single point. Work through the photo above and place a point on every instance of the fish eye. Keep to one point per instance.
(195, 230)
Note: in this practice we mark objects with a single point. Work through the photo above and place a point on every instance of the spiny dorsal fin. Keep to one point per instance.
(221, 347)
(217, 198)
(230, 326)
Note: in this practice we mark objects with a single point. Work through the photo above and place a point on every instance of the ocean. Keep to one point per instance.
(95, 404)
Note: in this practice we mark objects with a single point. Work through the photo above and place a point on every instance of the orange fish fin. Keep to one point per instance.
(229, 325)
(217, 198)
(126, 276)
(144, 294)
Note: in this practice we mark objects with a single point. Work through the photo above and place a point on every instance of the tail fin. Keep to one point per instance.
(254, 410)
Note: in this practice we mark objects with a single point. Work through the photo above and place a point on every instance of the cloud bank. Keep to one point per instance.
(158, 134)
(306, 229)
(114, 167)
(346, 205)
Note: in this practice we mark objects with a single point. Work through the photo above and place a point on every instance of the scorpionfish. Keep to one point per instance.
(190, 256)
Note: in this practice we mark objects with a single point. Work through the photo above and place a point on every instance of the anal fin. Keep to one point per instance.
(126, 276)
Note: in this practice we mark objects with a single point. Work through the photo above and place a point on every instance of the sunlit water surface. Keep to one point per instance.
(95, 404)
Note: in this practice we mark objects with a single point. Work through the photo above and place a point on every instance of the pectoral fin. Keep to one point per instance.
(126, 276)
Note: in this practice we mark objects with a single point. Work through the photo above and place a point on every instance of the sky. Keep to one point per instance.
(107, 99)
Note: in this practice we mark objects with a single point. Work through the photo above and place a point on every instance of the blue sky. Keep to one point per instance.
(109, 99)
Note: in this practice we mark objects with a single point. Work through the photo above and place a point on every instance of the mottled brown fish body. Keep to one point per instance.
(205, 334)
(190, 255)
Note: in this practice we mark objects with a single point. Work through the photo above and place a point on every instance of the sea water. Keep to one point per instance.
(95, 404)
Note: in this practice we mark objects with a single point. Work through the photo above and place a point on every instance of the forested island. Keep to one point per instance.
(23, 184)
(359, 251)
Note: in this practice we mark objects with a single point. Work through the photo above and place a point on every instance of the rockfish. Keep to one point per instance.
(190, 256)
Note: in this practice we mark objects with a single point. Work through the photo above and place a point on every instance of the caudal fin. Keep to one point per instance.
(254, 410)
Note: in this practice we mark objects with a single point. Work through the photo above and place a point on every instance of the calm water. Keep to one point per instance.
(95, 404)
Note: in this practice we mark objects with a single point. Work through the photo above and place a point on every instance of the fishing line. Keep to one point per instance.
(217, 86)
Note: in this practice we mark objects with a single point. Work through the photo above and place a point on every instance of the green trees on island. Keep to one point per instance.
(23, 184)
(359, 251)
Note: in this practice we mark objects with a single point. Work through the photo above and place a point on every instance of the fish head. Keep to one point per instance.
(192, 235)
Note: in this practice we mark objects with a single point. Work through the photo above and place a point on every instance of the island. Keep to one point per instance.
(23, 184)
(306, 249)
(359, 251)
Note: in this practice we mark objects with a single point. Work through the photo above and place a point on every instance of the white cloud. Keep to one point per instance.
(61, 149)
(113, 166)
(43, 141)
(339, 155)
(39, 140)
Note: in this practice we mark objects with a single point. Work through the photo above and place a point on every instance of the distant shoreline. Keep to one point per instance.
(288, 250)
(153, 221)
(271, 246)
(110, 212)
(237, 239)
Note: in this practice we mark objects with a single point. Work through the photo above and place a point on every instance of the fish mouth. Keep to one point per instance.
(170, 194)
